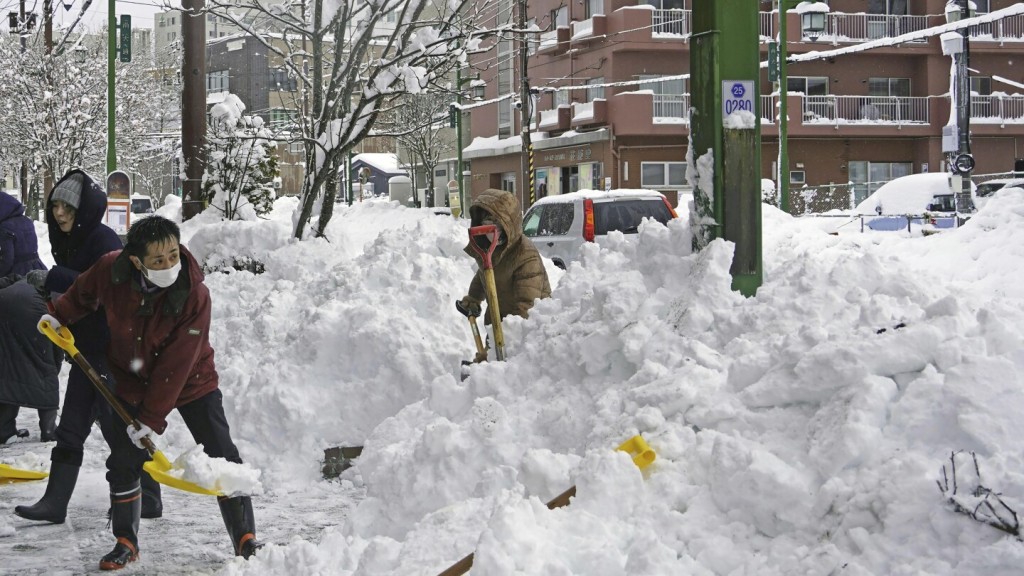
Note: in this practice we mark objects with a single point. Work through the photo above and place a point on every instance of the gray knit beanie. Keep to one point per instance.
(69, 190)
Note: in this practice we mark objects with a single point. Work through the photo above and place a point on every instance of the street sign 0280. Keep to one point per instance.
(737, 96)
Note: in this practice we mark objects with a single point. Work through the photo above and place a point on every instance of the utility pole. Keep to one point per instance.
(111, 108)
(525, 110)
(193, 104)
(23, 175)
(964, 160)
(725, 64)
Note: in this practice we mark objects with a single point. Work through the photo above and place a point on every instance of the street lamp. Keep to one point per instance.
(812, 24)
(963, 163)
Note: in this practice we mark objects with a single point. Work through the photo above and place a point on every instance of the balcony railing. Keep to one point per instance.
(769, 111)
(888, 110)
(842, 27)
(671, 107)
(997, 109)
(1009, 29)
(548, 40)
(678, 22)
(583, 28)
(675, 22)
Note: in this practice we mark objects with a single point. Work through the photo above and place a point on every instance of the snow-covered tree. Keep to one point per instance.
(420, 125)
(53, 109)
(351, 59)
(240, 162)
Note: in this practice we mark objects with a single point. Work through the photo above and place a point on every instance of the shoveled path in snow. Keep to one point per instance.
(189, 539)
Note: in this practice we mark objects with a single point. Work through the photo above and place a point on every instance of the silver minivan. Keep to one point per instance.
(558, 225)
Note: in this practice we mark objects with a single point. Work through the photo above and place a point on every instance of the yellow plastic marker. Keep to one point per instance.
(643, 455)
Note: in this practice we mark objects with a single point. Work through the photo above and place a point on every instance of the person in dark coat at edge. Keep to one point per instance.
(28, 366)
(158, 310)
(78, 238)
(519, 274)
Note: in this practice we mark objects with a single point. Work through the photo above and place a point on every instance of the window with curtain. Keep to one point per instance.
(505, 64)
(596, 91)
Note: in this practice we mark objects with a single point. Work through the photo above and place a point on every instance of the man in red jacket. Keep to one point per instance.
(158, 310)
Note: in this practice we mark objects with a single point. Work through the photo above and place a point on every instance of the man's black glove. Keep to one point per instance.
(468, 306)
(37, 278)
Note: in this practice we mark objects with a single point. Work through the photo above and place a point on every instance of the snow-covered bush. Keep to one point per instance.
(241, 162)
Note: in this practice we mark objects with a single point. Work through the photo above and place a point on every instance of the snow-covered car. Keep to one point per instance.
(989, 187)
(560, 224)
(922, 199)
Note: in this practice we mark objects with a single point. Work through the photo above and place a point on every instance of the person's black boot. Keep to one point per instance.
(241, 524)
(125, 509)
(48, 425)
(152, 503)
(53, 506)
(8, 426)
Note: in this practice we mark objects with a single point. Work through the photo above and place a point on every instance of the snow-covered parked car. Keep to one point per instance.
(922, 199)
(560, 224)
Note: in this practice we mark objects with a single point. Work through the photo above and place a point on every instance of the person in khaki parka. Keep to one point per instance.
(519, 274)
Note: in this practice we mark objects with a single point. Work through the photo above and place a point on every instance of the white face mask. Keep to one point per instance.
(163, 278)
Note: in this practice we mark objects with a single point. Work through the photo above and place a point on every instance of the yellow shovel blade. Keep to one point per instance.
(159, 468)
(10, 475)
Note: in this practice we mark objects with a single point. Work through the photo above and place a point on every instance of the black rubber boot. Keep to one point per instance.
(8, 424)
(125, 507)
(152, 503)
(48, 425)
(241, 524)
(53, 506)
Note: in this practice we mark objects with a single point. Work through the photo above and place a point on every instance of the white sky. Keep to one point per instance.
(142, 11)
(797, 432)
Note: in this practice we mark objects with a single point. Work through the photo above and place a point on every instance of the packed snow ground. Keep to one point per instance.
(801, 431)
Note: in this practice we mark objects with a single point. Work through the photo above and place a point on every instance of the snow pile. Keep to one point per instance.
(800, 431)
(216, 473)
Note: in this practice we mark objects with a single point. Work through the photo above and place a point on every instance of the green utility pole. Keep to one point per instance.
(726, 132)
(783, 164)
(458, 142)
(111, 54)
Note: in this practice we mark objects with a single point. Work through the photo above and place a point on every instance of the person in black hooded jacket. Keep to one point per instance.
(78, 238)
(28, 365)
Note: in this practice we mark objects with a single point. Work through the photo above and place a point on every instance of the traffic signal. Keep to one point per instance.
(125, 47)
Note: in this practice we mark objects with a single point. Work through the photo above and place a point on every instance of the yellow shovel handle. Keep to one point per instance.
(492, 308)
(61, 337)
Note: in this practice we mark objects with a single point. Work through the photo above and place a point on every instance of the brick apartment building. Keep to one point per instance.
(861, 118)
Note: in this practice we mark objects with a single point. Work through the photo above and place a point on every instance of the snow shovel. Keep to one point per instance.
(636, 447)
(159, 467)
(472, 326)
(10, 475)
(490, 231)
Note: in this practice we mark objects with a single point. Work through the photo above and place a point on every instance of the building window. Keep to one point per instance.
(808, 85)
(867, 176)
(440, 173)
(594, 7)
(560, 16)
(797, 177)
(662, 175)
(561, 98)
(281, 117)
(596, 91)
(889, 87)
(217, 81)
(280, 79)
(665, 4)
(888, 7)
(981, 85)
(296, 148)
(505, 63)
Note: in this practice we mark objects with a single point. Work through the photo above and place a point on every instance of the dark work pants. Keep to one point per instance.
(204, 418)
(83, 404)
